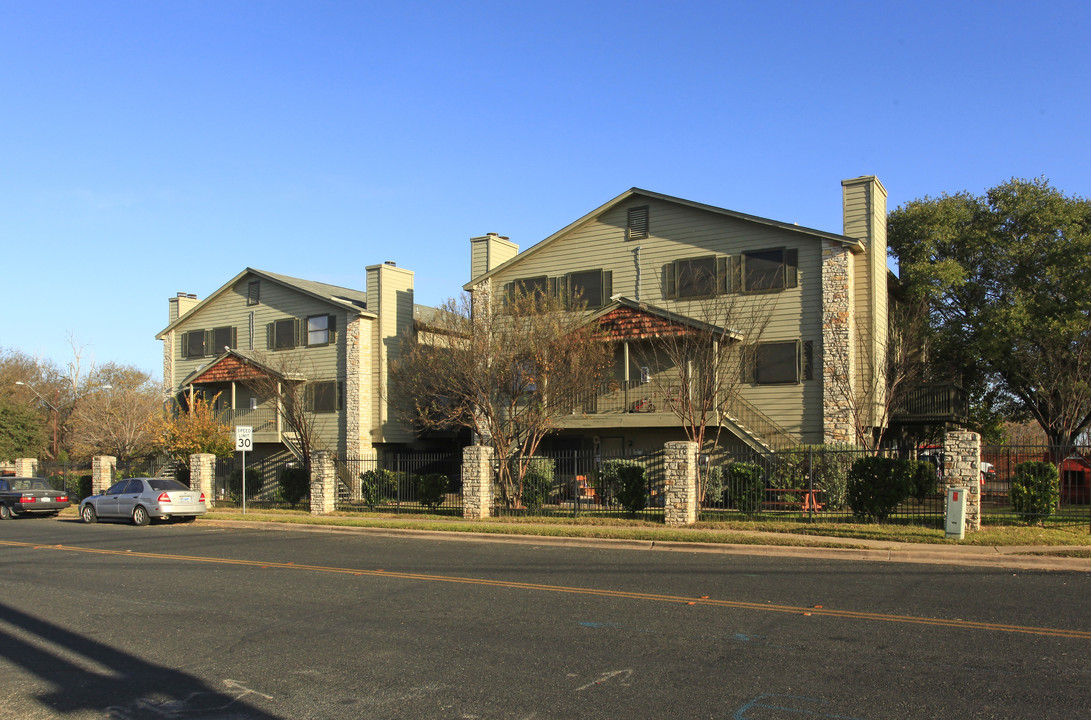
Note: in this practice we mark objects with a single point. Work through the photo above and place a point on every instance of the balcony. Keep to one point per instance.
(934, 404)
(263, 420)
(625, 396)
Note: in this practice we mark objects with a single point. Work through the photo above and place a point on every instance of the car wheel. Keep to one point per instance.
(88, 514)
(5, 512)
(140, 516)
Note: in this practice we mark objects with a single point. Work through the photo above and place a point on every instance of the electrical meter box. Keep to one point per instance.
(956, 513)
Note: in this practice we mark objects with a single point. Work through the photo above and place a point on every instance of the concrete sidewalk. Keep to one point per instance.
(1012, 557)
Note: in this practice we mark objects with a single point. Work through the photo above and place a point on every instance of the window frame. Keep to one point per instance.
(232, 338)
(331, 393)
(570, 284)
(329, 330)
(796, 363)
(287, 323)
(785, 277)
(713, 286)
(187, 347)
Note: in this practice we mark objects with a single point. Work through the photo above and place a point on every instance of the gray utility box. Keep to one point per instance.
(956, 513)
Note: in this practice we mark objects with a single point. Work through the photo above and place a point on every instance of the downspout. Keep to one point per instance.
(636, 261)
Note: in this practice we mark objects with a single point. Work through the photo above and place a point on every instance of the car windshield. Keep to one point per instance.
(167, 485)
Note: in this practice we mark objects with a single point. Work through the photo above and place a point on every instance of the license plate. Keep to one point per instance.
(185, 499)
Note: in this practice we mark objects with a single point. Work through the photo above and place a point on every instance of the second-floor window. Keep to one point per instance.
(323, 396)
(282, 334)
(765, 270)
(320, 329)
(698, 277)
(193, 344)
(589, 287)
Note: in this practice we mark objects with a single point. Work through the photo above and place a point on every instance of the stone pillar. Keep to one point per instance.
(26, 467)
(838, 346)
(323, 483)
(477, 472)
(680, 483)
(102, 473)
(202, 474)
(962, 468)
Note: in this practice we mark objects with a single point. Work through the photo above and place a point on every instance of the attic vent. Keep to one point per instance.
(638, 223)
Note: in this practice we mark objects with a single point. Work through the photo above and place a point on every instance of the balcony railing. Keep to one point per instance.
(934, 403)
(263, 420)
(625, 396)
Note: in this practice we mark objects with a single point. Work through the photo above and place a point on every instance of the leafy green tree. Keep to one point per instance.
(1008, 280)
(1035, 490)
(22, 431)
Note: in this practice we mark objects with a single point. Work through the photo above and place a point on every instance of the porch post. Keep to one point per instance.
(962, 468)
(323, 483)
(202, 473)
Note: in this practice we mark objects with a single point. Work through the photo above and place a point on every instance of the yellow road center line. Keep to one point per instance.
(734, 604)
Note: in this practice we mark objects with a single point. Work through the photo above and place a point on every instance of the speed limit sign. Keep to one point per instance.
(244, 438)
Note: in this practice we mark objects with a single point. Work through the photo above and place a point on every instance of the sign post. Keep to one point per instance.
(244, 440)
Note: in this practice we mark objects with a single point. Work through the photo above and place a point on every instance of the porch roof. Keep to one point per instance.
(234, 366)
(628, 319)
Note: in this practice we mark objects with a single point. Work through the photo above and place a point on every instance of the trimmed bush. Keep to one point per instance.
(1035, 490)
(876, 485)
(922, 479)
(295, 484)
(84, 486)
(432, 490)
(632, 487)
(537, 482)
(745, 487)
(715, 487)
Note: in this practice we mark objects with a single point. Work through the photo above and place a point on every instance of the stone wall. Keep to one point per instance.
(962, 468)
(26, 467)
(838, 347)
(202, 474)
(102, 473)
(680, 483)
(323, 483)
(477, 481)
(358, 380)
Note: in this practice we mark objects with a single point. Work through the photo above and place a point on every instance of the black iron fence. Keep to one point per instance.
(581, 483)
(270, 483)
(1007, 479)
(401, 483)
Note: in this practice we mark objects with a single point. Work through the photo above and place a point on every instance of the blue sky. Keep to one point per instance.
(148, 148)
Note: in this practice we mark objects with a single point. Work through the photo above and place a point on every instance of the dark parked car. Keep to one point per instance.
(141, 499)
(29, 496)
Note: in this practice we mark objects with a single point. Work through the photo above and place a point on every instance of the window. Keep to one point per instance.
(222, 338)
(322, 397)
(696, 277)
(538, 284)
(637, 228)
(253, 292)
(193, 344)
(282, 334)
(253, 403)
(777, 363)
(320, 329)
(765, 270)
(592, 288)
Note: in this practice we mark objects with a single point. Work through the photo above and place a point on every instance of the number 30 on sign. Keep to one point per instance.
(244, 438)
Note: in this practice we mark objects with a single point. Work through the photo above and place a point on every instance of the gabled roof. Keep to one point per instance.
(628, 318)
(852, 243)
(354, 301)
(234, 365)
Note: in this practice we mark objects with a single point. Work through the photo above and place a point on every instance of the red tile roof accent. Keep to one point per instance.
(627, 323)
(229, 369)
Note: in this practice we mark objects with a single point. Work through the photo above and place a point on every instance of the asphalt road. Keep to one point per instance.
(195, 621)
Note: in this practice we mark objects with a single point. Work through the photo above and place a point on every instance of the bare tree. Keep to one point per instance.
(116, 420)
(284, 380)
(698, 361)
(505, 366)
(874, 383)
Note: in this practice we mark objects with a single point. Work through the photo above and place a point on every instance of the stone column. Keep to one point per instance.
(680, 483)
(323, 483)
(477, 472)
(202, 474)
(962, 468)
(102, 473)
(26, 467)
(838, 346)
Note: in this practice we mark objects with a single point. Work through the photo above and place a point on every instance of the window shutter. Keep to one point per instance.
(185, 345)
(234, 337)
(808, 360)
(734, 275)
(332, 328)
(669, 289)
(340, 395)
(607, 285)
(210, 349)
(299, 330)
(750, 364)
(723, 282)
(270, 336)
(791, 263)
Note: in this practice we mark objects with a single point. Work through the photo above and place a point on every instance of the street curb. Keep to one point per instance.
(973, 556)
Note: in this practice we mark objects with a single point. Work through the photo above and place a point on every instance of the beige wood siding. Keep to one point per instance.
(678, 232)
(277, 303)
(390, 294)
